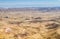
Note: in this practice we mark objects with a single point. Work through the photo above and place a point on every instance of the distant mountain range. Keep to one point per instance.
(42, 9)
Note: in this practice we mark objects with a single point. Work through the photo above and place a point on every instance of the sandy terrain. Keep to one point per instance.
(29, 25)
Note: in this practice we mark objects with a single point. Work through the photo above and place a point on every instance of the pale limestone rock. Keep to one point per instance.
(7, 30)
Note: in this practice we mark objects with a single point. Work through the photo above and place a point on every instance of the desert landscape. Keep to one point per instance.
(30, 23)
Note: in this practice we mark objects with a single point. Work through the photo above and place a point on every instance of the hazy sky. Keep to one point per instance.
(29, 3)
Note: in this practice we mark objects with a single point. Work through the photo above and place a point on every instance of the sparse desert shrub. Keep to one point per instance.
(16, 36)
(27, 19)
(35, 21)
(15, 22)
(38, 18)
(52, 20)
(24, 34)
(55, 19)
(52, 26)
(6, 17)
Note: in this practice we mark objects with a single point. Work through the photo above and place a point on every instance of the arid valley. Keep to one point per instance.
(29, 24)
